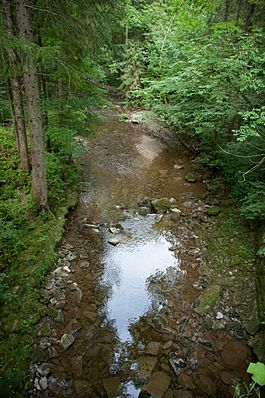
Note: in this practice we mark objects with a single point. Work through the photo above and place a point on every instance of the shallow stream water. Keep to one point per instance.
(128, 304)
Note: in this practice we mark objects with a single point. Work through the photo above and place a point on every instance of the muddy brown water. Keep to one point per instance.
(129, 307)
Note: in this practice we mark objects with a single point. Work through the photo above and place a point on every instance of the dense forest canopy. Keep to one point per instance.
(199, 64)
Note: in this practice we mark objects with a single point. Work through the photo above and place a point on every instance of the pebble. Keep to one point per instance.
(167, 345)
(114, 241)
(67, 340)
(43, 383)
(219, 315)
(84, 264)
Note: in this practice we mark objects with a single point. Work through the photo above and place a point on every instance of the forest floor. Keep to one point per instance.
(150, 297)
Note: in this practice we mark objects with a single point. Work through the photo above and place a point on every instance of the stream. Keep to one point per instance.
(127, 281)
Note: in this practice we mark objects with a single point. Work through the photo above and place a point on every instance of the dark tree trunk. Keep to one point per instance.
(238, 11)
(250, 16)
(226, 11)
(15, 94)
(39, 179)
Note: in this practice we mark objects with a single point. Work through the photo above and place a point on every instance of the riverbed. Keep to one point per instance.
(131, 316)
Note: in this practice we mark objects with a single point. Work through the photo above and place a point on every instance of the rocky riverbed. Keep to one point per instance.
(139, 306)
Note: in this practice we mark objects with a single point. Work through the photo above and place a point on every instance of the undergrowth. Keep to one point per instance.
(27, 251)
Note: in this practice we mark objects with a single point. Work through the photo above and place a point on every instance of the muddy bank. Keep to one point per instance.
(141, 306)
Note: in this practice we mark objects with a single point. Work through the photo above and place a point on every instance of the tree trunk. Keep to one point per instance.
(60, 98)
(15, 94)
(39, 179)
(226, 12)
(238, 11)
(249, 17)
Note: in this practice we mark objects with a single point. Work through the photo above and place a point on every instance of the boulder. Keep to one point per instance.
(146, 365)
(208, 299)
(158, 384)
(152, 348)
(161, 205)
(111, 386)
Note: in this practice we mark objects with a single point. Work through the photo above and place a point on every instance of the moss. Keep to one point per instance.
(161, 205)
(213, 211)
(190, 177)
(207, 299)
(52, 312)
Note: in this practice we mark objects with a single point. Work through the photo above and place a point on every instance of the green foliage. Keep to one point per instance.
(257, 370)
(198, 68)
(5, 294)
(132, 70)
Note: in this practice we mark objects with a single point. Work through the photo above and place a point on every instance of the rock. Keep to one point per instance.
(228, 377)
(60, 304)
(71, 257)
(92, 316)
(158, 384)
(167, 345)
(176, 363)
(206, 385)
(169, 394)
(235, 355)
(75, 288)
(43, 382)
(190, 177)
(111, 386)
(36, 384)
(161, 205)
(83, 389)
(178, 166)
(197, 286)
(44, 329)
(208, 299)
(60, 272)
(66, 269)
(114, 230)
(144, 394)
(213, 211)
(77, 365)
(146, 365)
(186, 381)
(44, 343)
(208, 345)
(84, 264)
(152, 348)
(114, 241)
(218, 325)
(43, 369)
(219, 315)
(175, 214)
(143, 211)
(253, 326)
(182, 394)
(59, 317)
(67, 340)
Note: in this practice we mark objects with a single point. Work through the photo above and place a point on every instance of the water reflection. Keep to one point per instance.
(131, 269)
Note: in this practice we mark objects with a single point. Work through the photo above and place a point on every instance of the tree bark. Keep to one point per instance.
(226, 11)
(15, 94)
(250, 16)
(31, 86)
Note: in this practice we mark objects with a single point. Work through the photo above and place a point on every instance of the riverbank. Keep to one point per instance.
(28, 251)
